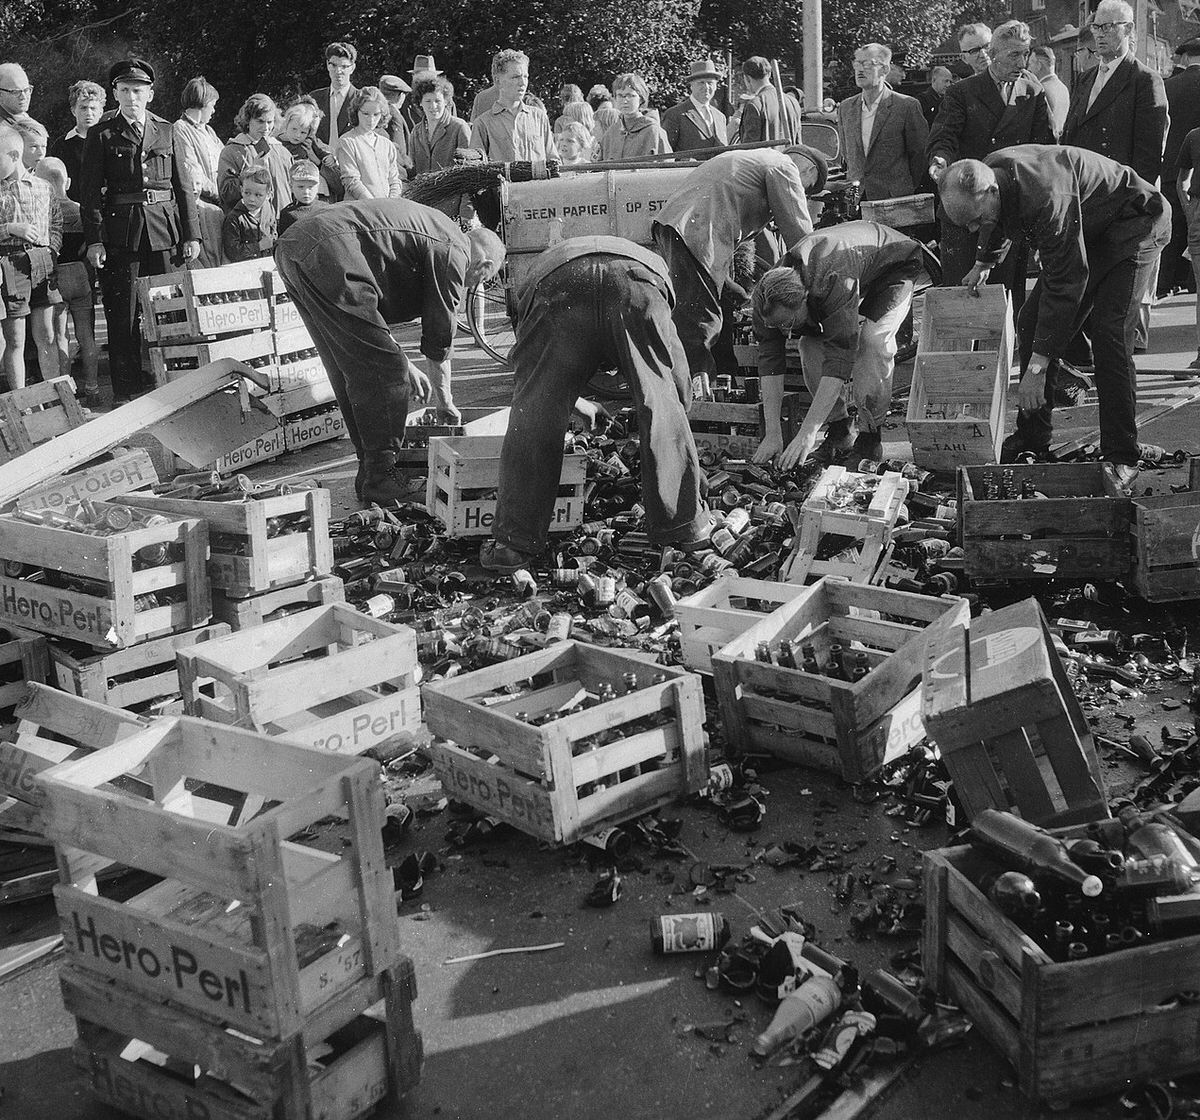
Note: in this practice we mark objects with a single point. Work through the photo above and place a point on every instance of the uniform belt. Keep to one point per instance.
(139, 198)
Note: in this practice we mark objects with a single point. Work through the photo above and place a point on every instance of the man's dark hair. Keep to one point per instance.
(756, 67)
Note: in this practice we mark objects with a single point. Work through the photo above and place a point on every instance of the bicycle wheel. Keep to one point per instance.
(492, 320)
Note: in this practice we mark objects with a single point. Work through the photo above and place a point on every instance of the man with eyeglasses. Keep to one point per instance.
(1002, 105)
(973, 42)
(15, 93)
(334, 99)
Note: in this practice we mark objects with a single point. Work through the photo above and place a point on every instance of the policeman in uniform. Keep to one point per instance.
(138, 210)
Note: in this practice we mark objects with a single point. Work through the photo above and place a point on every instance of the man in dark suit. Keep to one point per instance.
(940, 80)
(1099, 229)
(883, 132)
(138, 209)
(765, 115)
(998, 107)
(696, 123)
(1183, 100)
(334, 99)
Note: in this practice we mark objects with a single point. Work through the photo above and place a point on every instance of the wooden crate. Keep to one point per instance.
(122, 471)
(312, 927)
(260, 544)
(1080, 530)
(956, 406)
(128, 676)
(718, 613)
(297, 362)
(464, 474)
(35, 414)
(846, 728)
(24, 657)
(284, 314)
(1071, 1030)
(243, 614)
(1166, 538)
(300, 398)
(261, 449)
(869, 529)
(736, 430)
(200, 303)
(531, 777)
(999, 706)
(100, 610)
(309, 429)
(361, 692)
(899, 213)
(257, 350)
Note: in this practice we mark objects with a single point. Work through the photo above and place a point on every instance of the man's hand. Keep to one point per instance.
(937, 168)
(798, 450)
(418, 386)
(26, 231)
(191, 250)
(447, 412)
(1033, 81)
(96, 256)
(771, 446)
(591, 413)
(976, 278)
(1031, 392)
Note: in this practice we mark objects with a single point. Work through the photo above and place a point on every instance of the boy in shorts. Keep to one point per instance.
(30, 239)
(249, 229)
(306, 181)
(74, 287)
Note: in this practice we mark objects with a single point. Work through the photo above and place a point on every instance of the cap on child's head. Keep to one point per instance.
(304, 171)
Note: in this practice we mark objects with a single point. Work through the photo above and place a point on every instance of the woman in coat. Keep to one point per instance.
(254, 143)
(436, 138)
(634, 134)
(202, 147)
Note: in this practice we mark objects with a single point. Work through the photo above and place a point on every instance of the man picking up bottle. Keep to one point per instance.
(847, 290)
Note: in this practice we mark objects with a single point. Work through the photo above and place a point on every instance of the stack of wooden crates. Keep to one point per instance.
(243, 311)
(262, 977)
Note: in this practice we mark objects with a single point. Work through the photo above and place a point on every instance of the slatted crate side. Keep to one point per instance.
(738, 429)
(108, 617)
(284, 313)
(243, 614)
(1073, 1029)
(123, 471)
(299, 398)
(36, 413)
(24, 658)
(202, 302)
(297, 361)
(307, 430)
(262, 449)
(1166, 532)
(538, 785)
(130, 676)
(170, 362)
(956, 409)
(459, 465)
(716, 614)
(248, 556)
(268, 965)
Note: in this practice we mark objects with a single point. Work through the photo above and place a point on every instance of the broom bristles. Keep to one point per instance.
(471, 178)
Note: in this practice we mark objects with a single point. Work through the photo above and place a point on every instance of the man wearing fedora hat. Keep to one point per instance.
(696, 123)
(138, 210)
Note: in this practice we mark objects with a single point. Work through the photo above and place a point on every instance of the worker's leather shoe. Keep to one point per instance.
(867, 445)
(381, 484)
(839, 439)
(497, 557)
(1014, 447)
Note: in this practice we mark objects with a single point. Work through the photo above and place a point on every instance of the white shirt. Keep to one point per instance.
(1103, 73)
(705, 112)
(335, 109)
(868, 117)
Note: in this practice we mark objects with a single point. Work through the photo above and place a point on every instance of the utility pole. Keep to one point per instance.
(814, 65)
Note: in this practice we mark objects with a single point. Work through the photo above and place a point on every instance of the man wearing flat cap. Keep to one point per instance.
(138, 210)
(395, 126)
(696, 123)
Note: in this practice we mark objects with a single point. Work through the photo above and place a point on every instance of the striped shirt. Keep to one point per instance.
(24, 198)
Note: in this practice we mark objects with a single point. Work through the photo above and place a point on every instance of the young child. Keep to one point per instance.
(306, 181)
(249, 229)
(30, 238)
(574, 144)
(74, 286)
(367, 158)
(36, 140)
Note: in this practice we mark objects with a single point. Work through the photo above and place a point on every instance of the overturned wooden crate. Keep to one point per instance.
(736, 430)
(243, 614)
(1072, 1029)
(35, 414)
(999, 706)
(255, 952)
(718, 613)
(844, 726)
(330, 677)
(130, 676)
(200, 303)
(464, 476)
(108, 592)
(834, 510)
(24, 659)
(261, 543)
(1077, 528)
(956, 406)
(1166, 539)
(121, 471)
(581, 771)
